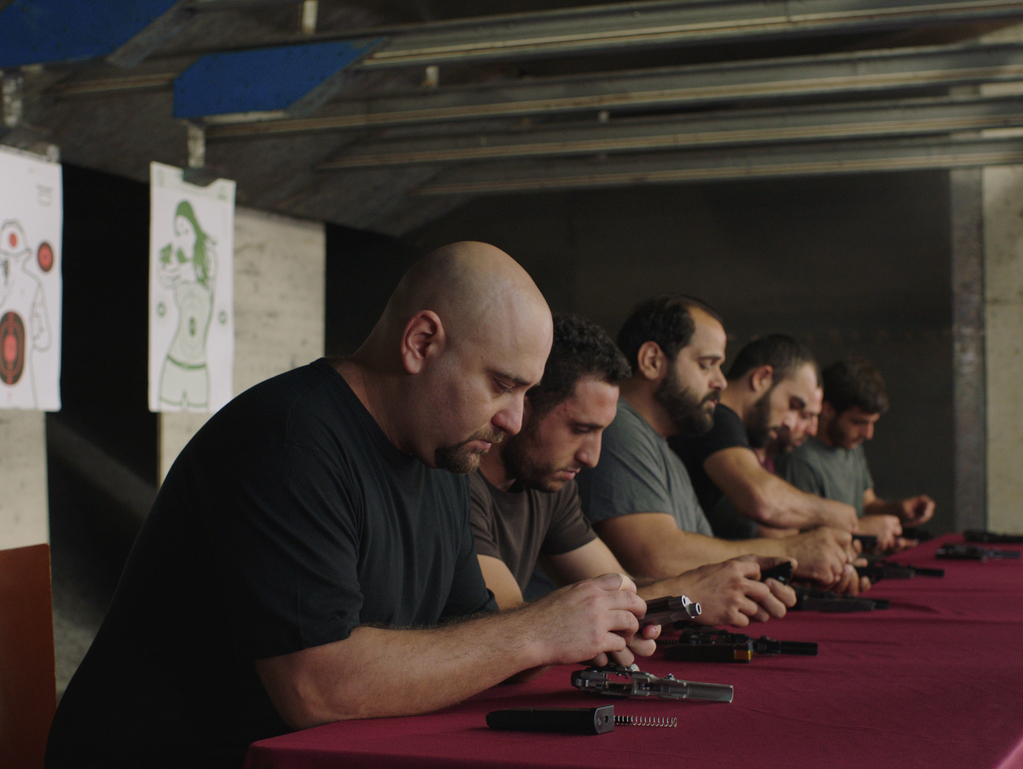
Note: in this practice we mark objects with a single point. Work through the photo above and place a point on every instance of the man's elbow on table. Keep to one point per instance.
(306, 687)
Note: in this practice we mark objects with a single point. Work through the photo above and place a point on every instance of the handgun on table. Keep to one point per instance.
(888, 570)
(619, 681)
(973, 553)
(708, 644)
(814, 599)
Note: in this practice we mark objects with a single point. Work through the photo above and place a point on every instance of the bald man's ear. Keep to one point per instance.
(651, 361)
(424, 337)
(761, 378)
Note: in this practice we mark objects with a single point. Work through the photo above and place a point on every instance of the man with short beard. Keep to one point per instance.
(771, 384)
(833, 464)
(639, 497)
(525, 504)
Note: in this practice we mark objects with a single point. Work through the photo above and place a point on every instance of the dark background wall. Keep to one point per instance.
(102, 444)
(849, 264)
(362, 270)
(104, 362)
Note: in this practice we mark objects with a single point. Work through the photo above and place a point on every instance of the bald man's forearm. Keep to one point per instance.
(358, 677)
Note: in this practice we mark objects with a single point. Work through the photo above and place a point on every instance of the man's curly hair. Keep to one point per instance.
(854, 382)
(581, 349)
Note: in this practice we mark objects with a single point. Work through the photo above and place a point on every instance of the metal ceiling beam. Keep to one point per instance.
(625, 27)
(741, 127)
(666, 168)
(109, 80)
(680, 87)
(148, 41)
(632, 26)
(605, 29)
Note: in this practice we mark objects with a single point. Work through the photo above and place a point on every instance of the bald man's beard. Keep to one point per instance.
(689, 415)
(463, 458)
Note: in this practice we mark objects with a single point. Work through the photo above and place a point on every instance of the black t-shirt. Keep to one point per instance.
(728, 432)
(288, 521)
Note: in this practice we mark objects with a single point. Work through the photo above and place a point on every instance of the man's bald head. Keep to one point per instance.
(471, 286)
(464, 334)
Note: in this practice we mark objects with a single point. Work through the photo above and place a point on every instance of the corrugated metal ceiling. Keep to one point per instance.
(383, 115)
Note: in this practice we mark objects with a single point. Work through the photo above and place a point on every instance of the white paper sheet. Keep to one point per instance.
(191, 292)
(31, 223)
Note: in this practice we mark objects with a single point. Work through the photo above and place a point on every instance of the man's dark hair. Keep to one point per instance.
(581, 348)
(854, 382)
(781, 352)
(666, 320)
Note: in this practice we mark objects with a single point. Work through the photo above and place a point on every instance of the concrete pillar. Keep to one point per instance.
(1003, 319)
(24, 503)
(279, 267)
(968, 382)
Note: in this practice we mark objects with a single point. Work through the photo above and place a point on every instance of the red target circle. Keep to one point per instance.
(12, 347)
(45, 256)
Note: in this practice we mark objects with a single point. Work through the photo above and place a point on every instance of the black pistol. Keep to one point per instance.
(867, 541)
(990, 538)
(973, 553)
(707, 644)
(888, 570)
(782, 572)
(815, 599)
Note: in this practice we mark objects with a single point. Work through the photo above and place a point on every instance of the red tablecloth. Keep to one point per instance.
(935, 681)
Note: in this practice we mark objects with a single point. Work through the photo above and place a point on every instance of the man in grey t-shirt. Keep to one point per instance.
(640, 472)
(829, 470)
(639, 497)
(833, 464)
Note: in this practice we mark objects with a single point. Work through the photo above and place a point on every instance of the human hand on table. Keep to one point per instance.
(850, 582)
(596, 619)
(821, 554)
(731, 593)
(886, 528)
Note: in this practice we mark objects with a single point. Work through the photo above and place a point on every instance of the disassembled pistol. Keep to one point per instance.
(618, 681)
(599, 720)
(670, 609)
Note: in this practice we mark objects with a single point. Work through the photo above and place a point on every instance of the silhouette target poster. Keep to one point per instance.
(31, 222)
(191, 292)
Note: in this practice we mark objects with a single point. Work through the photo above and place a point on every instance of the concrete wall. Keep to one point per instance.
(24, 506)
(279, 268)
(850, 264)
(1003, 295)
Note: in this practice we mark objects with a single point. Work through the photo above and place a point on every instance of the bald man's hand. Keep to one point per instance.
(591, 620)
